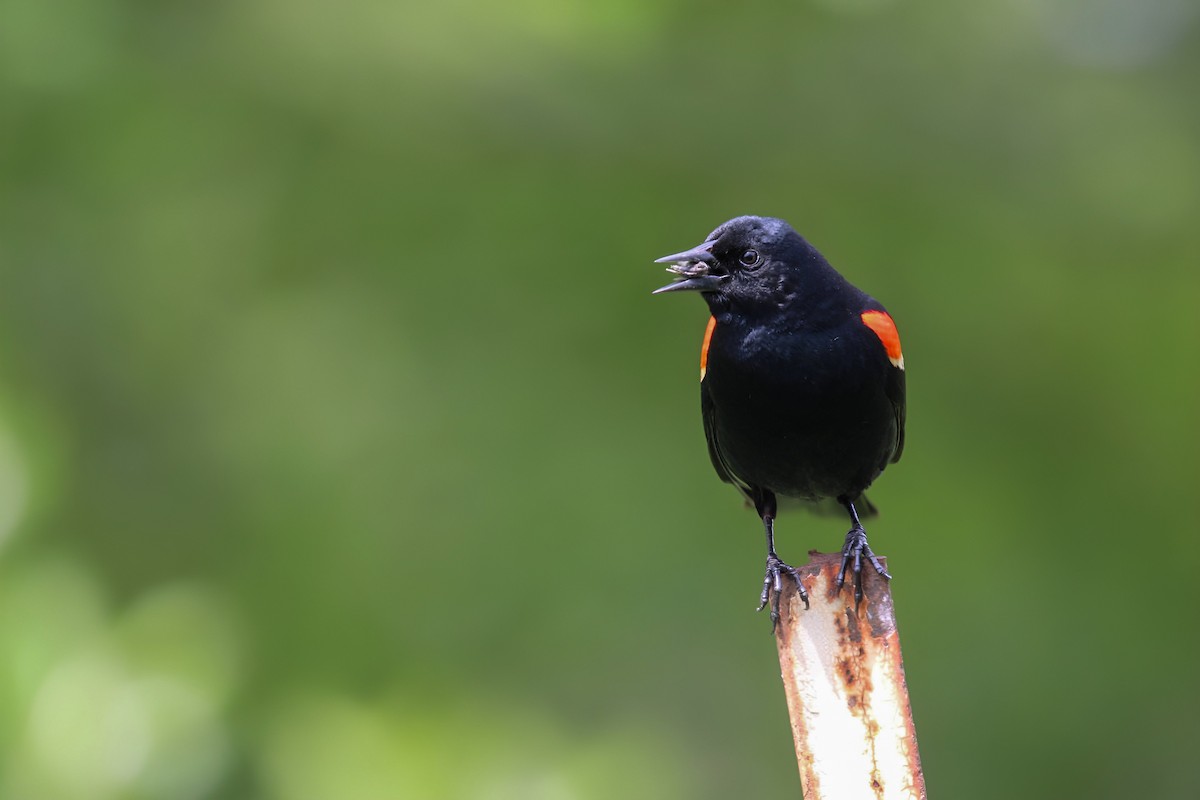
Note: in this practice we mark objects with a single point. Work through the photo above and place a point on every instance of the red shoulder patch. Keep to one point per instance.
(885, 328)
(708, 332)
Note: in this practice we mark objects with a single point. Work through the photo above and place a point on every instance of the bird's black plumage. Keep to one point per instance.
(802, 379)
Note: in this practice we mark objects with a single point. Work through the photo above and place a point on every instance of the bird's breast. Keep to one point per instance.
(802, 413)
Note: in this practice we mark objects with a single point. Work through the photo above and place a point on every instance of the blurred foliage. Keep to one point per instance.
(344, 453)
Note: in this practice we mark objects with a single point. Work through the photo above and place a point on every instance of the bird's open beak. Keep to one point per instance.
(694, 268)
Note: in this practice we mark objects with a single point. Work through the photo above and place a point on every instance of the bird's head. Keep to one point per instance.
(748, 260)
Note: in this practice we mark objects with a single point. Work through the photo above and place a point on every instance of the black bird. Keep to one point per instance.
(801, 381)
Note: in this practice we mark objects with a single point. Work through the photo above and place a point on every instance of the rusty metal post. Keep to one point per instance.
(844, 680)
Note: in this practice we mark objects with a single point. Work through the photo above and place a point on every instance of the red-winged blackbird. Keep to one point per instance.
(801, 381)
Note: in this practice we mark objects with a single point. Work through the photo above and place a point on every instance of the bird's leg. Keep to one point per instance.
(776, 567)
(853, 550)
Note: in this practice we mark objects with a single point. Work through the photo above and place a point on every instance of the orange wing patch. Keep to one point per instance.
(708, 332)
(885, 329)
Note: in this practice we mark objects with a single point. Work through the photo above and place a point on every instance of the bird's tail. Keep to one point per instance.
(829, 507)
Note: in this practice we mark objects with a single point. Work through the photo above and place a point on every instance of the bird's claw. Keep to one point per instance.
(776, 569)
(852, 552)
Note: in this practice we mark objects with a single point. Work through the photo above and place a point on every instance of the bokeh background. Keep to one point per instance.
(345, 454)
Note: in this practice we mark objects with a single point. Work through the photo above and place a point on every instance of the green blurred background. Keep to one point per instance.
(345, 454)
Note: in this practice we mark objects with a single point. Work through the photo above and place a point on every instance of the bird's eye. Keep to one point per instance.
(749, 258)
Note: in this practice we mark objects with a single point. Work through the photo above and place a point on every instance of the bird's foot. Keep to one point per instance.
(773, 580)
(852, 553)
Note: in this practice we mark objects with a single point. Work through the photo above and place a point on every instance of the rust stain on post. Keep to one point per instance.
(844, 679)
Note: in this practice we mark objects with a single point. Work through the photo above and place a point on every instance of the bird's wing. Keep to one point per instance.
(894, 389)
(880, 322)
(709, 413)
